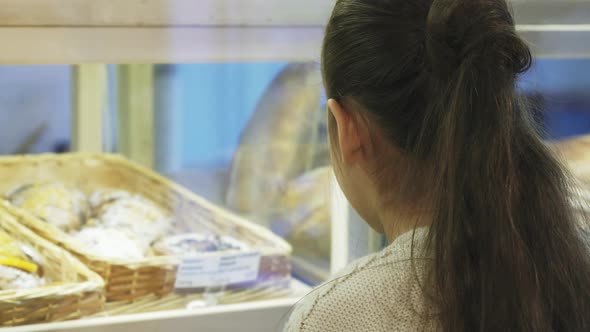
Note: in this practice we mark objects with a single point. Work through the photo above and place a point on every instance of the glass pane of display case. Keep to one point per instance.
(35, 109)
(251, 137)
(558, 88)
(248, 139)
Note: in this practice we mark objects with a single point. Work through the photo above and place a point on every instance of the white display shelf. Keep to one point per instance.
(559, 41)
(260, 316)
(161, 31)
(169, 13)
(164, 13)
(182, 31)
(66, 45)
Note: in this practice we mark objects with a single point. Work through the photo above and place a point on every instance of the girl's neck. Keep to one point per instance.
(399, 221)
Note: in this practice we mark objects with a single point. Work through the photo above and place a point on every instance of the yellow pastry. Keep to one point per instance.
(12, 255)
(19, 264)
(9, 247)
(57, 204)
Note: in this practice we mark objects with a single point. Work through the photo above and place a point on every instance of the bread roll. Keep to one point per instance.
(56, 203)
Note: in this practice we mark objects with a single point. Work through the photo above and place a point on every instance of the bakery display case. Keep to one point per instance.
(262, 153)
(212, 134)
(216, 113)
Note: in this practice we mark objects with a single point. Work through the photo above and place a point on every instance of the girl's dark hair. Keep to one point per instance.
(439, 77)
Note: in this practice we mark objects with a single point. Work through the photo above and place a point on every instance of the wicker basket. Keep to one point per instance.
(75, 291)
(128, 280)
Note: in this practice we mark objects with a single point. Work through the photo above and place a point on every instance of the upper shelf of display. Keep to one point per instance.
(164, 13)
(175, 31)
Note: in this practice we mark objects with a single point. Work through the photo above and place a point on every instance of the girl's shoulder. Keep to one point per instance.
(376, 293)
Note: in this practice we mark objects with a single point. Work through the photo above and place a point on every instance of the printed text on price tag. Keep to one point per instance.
(217, 270)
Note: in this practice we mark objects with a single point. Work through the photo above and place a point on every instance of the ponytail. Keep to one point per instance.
(440, 77)
(503, 235)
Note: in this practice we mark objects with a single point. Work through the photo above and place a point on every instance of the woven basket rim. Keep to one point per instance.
(93, 283)
(280, 246)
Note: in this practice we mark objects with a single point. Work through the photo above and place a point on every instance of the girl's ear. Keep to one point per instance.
(354, 142)
(348, 134)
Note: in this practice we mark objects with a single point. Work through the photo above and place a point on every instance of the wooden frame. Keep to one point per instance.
(135, 112)
(123, 45)
(163, 13)
(175, 31)
(175, 13)
(89, 100)
(161, 31)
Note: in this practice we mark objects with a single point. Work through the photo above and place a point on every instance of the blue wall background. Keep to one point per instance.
(565, 85)
(216, 101)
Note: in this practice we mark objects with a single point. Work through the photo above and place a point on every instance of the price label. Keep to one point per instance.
(213, 270)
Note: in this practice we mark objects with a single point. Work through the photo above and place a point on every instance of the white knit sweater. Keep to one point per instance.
(380, 292)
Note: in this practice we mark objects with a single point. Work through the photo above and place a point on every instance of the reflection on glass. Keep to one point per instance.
(253, 139)
(35, 109)
(558, 91)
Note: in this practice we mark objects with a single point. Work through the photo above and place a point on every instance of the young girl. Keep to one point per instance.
(433, 147)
